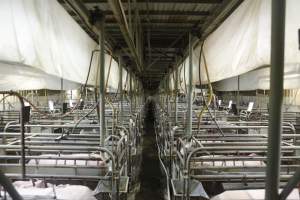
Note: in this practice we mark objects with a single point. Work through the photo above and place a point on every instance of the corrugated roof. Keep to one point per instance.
(167, 22)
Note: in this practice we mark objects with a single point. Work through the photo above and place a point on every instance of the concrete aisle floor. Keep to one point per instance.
(151, 187)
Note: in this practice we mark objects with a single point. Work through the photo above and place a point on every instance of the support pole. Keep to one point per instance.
(176, 94)
(238, 95)
(135, 93)
(121, 88)
(101, 24)
(130, 90)
(129, 17)
(276, 96)
(3, 102)
(62, 93)
(46, 97)
(168, 94)
(32, 96)
(190, 87)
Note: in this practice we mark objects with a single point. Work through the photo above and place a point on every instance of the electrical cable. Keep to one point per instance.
(206, 105)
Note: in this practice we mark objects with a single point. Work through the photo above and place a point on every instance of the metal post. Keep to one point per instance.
(130, 90)
(238, 95)
(32, 96)
(46, 97)
(168, 94)
(37, 97)
(121, 88)
(3, 102)
(101, 24)
(276, 96)
(129, 17)
(134, 95)
(176, 94)
(190, 87)
(61, 92)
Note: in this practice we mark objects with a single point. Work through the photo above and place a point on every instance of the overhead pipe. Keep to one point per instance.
(276, 97)
(120, 16)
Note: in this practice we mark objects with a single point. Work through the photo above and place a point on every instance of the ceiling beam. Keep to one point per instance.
(166, 12)
(159, 21)
(122, 22)
(163, 1)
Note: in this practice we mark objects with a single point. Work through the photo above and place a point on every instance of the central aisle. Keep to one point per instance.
(151, 187)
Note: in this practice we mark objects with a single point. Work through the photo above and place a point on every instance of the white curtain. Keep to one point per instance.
(260, 79)
(242, 42)
(40, 37)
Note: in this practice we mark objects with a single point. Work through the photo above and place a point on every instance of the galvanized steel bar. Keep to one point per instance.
(190, 88)
(121, 88)
(176, 94)
(61, 93)
(276, 96)
(290, 185)
(3, 102)
(8, 186)
(102, 81)
(238, 95)
(168, 94)
(130, 90)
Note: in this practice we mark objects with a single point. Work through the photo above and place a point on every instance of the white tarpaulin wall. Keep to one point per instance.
(42, 36)
(242, 42)
(183, 76)
(111, 72)
(260, 79)
(172, 81)
(124, 77)
(28, 78)
(136, 83)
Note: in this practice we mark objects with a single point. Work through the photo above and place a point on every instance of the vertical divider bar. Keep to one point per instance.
(190, 87)
(61, 93)
(238, 95)
(121, 88)
(176, 94)
(276, 97)
(102, 80)
(168, 93)
(3, 103)
(130, 90)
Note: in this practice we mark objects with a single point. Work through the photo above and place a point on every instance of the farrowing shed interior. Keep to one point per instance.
(149, 99)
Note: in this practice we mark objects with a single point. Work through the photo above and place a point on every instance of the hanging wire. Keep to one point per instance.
(206, 105)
